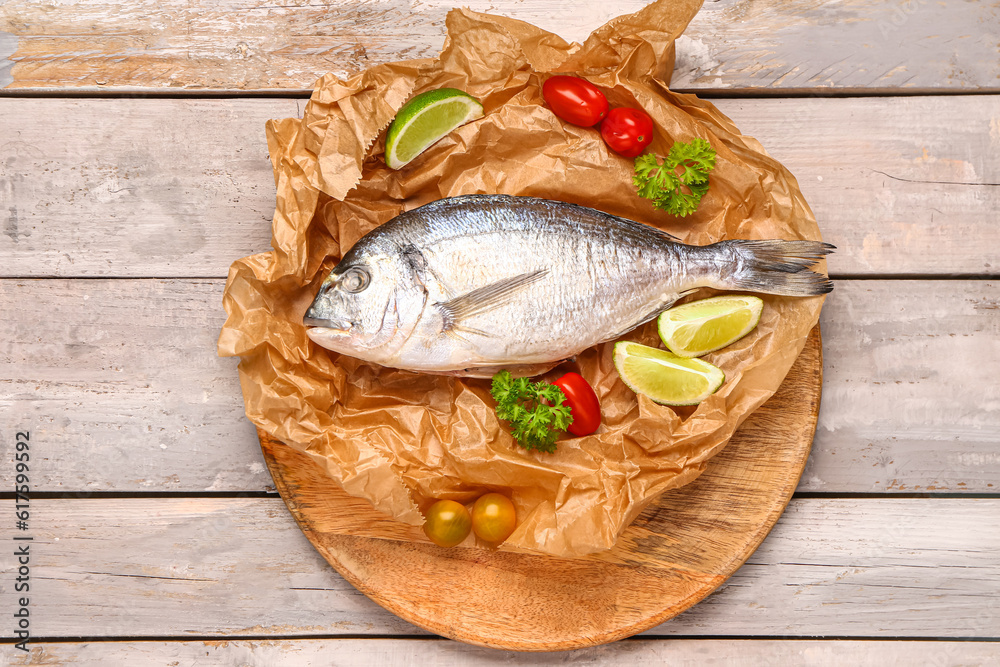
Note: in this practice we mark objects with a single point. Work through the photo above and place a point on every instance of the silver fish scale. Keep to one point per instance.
(605, 275)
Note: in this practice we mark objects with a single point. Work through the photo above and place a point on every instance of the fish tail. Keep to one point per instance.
(776, 267)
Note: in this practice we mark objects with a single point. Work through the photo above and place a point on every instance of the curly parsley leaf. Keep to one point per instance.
(536, 410)
(678, 183)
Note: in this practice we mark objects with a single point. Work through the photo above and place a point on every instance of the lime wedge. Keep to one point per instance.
(665, 377)
(425, 119)
(703, 326)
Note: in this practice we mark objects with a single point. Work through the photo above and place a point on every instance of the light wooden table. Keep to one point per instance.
(133, 170)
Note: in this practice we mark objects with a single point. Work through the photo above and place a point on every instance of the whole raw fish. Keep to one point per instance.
(474, 284)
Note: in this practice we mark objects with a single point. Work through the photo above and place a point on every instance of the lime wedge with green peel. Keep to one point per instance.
(664, 377)
(707, 325)
(425, 119)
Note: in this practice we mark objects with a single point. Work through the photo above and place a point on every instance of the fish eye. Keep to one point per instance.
(355, 280)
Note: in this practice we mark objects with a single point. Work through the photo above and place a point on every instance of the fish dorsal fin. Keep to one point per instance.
(486, 298)
(667, 235)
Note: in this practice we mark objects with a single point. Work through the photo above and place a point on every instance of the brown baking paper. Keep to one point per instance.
(402, 440)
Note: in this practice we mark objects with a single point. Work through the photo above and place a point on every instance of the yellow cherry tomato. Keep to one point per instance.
(494, 517)
(447, 523)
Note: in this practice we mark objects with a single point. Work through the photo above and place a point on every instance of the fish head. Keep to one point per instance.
(367, 306)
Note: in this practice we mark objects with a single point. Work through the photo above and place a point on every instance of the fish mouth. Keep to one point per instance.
(337, 326)
(338, 340)
(314, 317)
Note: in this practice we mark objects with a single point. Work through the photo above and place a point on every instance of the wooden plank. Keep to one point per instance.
(120, 385)
(181, 188)
(124, 391)
(135, 187)
(909, 396)
(257, 45)
(781, 45)
(896, 184)
(443, 653)
(240, 567)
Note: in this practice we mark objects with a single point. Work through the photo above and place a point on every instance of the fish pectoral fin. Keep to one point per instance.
(485, 298)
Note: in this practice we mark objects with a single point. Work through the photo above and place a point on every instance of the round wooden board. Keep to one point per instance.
(682, 547)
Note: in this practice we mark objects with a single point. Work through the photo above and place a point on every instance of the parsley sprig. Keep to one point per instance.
(536, 410)
(678, 184)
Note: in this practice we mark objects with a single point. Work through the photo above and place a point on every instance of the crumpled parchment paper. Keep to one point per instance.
(402, 440)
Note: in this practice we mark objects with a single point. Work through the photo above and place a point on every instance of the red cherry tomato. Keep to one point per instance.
(576, 101)
(627, 131)
(583, 403)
